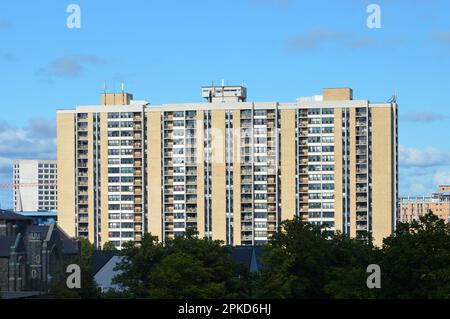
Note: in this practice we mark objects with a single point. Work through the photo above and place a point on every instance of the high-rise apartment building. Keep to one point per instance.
(35, 185)
(411, 208)
(231, 169)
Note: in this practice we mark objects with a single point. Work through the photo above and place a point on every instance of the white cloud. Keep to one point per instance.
(425, 117)
(441, 37)
(442, 178)
(36, 140)
(430, 156)
(68, 66)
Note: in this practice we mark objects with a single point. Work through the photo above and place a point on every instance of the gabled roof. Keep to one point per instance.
(5, 215)
(100, 258)
(249, 256)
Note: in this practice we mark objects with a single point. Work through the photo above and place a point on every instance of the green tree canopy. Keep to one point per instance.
(109, 246)
(303, 261)
(184, 267)
(415, 261)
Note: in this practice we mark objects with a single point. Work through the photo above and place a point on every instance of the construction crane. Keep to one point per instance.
(18, 186)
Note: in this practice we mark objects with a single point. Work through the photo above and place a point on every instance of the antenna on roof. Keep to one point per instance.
(223, 82)
(104, 87)
(123, 87)
(393, 99)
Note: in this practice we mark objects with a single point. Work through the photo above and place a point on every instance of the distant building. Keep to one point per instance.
(32, 257)
(35, 185)
(411, 208)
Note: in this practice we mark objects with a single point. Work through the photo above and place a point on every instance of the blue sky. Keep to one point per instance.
(281, 49)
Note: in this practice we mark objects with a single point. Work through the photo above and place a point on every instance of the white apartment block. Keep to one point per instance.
(35, 185)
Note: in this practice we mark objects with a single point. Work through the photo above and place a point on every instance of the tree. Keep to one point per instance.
(293, 263)
(347, 268)
(415, 261)
(89, 288)
(303, 261)
(184, 267)
(109, 246)
(87, 250)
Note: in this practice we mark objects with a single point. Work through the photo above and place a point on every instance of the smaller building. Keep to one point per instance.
(411, 208)
(35, 185)
(102, 264)
(32, 257)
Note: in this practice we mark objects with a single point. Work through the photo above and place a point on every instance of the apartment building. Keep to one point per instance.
(35, 185)
(231, 169)
(411, 208)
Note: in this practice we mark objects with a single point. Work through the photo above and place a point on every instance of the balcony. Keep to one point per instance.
(137, 172)
(168, 219)
(191, 181)
(361, 218)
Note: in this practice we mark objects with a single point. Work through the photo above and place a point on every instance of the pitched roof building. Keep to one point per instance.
(32, 257)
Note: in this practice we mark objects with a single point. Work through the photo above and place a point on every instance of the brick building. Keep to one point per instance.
(411, 208)
(32, 257)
